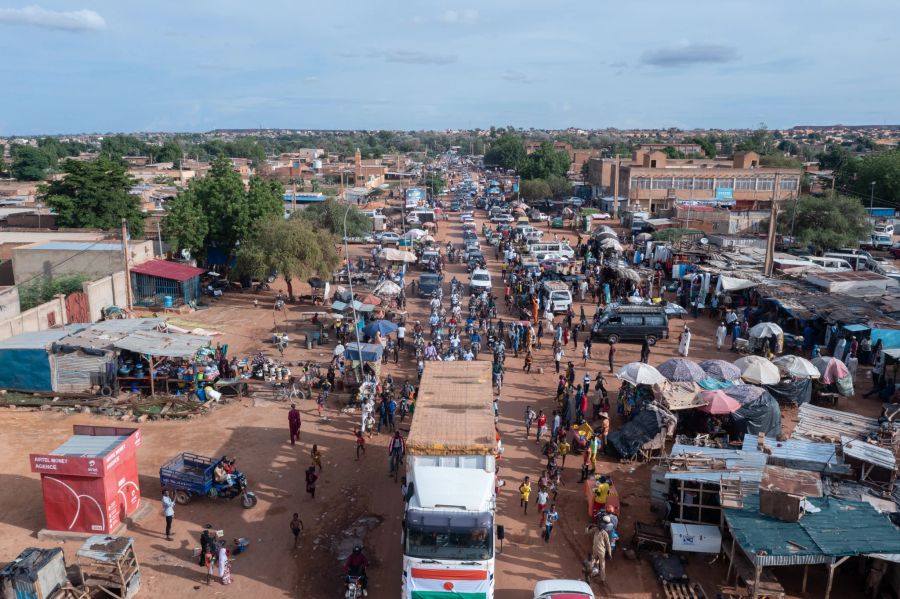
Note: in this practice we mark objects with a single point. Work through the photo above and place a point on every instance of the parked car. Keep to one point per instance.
(429, 283)
(502, 218)
(389, 238)
(563, 589)
(479, 280)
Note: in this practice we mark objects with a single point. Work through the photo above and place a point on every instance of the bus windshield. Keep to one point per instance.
(449, 536)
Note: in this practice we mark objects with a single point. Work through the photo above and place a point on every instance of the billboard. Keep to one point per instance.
(415, 197)
(724, 193)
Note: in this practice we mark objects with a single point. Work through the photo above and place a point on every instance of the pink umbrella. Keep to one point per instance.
(718, 403)
(372, 299)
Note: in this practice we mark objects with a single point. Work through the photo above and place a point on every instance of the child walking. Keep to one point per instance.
(296, 528)
(525, 493)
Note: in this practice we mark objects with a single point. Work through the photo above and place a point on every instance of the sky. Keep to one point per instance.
(74, 66)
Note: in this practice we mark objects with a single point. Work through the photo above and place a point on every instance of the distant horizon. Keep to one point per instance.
(250, 130)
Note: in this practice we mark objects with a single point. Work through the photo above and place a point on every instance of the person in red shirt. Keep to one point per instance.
(360, 444)
(294, 423)
(356, 565)
(541, 424)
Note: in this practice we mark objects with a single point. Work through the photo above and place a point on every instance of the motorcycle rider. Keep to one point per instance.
(356, 566)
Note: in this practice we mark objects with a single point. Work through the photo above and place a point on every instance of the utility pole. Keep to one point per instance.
(773, 217)
(128, 299)
(615, 210)
(872, 198)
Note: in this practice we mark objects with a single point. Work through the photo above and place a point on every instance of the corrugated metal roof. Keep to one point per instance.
(796, 450)
(89, 446)
(744, 465)
(39, 339)
(869, 453)
(76, 246)
(105, 334)
(815, 422)
(154, 343)
(166, 269)
(841, 528)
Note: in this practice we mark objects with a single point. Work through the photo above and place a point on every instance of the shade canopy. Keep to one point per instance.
(797, 367)
(681, 369)
(384, 327)
(721, 370)
(758, 370)
(744, 394)
(392, 255)
(413, 234)
(387, 288)
(718, 402)
(830, 368)
(766, 329)
(638, 373)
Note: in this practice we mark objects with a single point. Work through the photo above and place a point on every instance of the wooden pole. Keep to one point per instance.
(152, 371)
(830, 580)
(805, 573)
(128, 297)
(730, 561)
(773, 228)
(615, 210)
(757, 571)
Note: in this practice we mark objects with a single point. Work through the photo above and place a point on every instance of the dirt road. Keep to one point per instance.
(255, 432)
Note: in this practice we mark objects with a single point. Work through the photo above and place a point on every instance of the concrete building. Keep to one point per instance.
(653, 182)
(64, 258)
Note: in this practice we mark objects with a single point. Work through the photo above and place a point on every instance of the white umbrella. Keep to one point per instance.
(388, 288)
(758, 370)
(638, 373)
(413, 234)
(611, 244)
(392, 255)
(766, 329)
(797, 367)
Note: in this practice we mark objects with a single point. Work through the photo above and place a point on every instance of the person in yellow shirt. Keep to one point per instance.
(525, 493)
(601, 494)
(564, 448)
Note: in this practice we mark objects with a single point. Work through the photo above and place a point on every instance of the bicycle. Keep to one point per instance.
(285, 392)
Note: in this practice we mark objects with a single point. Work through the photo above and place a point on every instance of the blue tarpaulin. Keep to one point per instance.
(890, 338)
(370, 352)
(25, 362)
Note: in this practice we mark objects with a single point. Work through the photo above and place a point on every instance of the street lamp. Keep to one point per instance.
(872, 196)
(350, 283)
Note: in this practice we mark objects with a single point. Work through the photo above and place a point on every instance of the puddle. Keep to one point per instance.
(355, 534)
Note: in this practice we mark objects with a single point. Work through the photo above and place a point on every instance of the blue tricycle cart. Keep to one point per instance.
(189, 474)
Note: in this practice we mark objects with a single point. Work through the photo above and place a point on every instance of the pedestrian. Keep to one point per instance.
(168, 503)
(294, 423)
(586, 383)
(360, 444)
(721, 333)
(575, 337)
(206, 544)
(603, 431)
(391, 409)
(585, 353)
(311, 478)
(528, 361)
(524, 493)
(316, 457)
(543, 496)
(224, 564)
(557, 421)
(612, 356)
(530, 417)
(541, 426)
(550, 518)
(645, 351)
(208, 560)
(735, 334)
(296, 528)
(401, 336)
(601, 550)
(684, 344)
(558, 356)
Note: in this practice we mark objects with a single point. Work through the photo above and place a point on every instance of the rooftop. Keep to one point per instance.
(89, 446)
(77, 246)
(166, 269)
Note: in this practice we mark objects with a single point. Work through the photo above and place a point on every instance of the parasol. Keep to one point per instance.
(758, 370)
(765, 329)
(387, 288)
(385, 327)
(643, 237)
(372, 300)
(797, 367)
(681, 369)
(392, 255)
(638, 373)
(721, 370)
(744, 394)
(413, 234)
(718, 402)
(830, 368)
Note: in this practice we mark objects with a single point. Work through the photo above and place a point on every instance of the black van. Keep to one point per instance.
(632, 323)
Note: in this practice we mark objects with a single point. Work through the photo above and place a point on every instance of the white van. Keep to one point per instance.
(830, 264)
(557, 295)
(553, 249)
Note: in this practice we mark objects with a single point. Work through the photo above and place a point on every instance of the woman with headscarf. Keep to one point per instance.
(224, 564)
(684, 344)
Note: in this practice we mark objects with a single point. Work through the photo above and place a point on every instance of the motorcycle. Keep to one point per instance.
(237, 488)
(354, 587)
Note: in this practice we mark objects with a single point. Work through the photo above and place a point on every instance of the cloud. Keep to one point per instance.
(467, 16)
(689, 54)
(75, 20)
(517, 76)
(416, 57)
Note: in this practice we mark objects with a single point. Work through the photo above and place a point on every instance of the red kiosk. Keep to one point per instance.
(90, 482)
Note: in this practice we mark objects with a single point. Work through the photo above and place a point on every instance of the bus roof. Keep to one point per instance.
(454, 411)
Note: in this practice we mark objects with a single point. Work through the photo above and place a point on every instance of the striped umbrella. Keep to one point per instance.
(744, 393)
(721, 370)
(681, 370)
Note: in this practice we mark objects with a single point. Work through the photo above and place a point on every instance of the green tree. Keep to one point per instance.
(46, 288)
(3, 166)
(295, 248)
(884, 170)
(545, 162)
(507, 152)
(94, 194)
(559, 186)
(434, 182)
(185, 226)
(707, 143)
(116, 146)
(826, 223)
(29, 163)
(169, 152)
(779, 160)
(329, 216)
(674, 153)
(533, 190)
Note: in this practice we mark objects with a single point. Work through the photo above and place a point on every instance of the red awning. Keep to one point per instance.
(166, 269)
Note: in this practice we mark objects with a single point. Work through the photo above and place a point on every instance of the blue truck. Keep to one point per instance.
(189, 474)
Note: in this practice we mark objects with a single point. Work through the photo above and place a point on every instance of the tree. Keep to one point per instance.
(545, 162)
(559, 186)
(2, 160)
(825, 223)
(295, 248)
(707, 143)
(230, 211)
(674, 153)
(94, 194)
(434, 182)
(169, 152)
(779, 161)
(329, 216)
(507, 152)
(46, 288)
(533, 190)
(884, 170)
(29, 163)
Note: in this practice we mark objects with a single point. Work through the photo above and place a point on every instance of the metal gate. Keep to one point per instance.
(77, 308)
(77, 372)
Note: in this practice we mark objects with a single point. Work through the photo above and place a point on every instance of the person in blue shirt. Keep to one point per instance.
(391, 408)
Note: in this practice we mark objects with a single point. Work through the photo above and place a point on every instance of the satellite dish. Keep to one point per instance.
(704, 241)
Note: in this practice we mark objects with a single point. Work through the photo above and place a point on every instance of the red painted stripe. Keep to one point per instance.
(449, 574)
